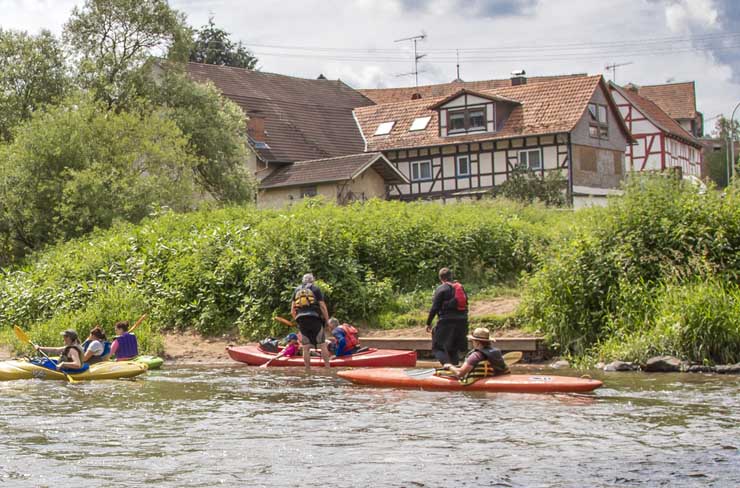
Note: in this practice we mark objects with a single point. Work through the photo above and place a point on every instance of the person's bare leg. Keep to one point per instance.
(325, 354)
(307, 356)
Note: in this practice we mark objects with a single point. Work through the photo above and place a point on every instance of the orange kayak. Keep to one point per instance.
(512, 383)
(370, 357)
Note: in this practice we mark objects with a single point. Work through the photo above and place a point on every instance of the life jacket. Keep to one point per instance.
(97, 359)
(350, 337)
(51, 364)
(459, 300)
(127, 346)
(64, 357)
(305, 302)
(493, 365)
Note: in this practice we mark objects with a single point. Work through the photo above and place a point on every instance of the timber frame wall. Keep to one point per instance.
(490, 164)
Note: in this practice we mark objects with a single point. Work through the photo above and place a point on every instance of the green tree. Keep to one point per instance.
(115, 43)
(77, 166)
(213, 46)
(526, 186)
(32, 73)
(216, 131)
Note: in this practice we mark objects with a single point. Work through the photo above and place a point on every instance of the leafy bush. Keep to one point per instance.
(606, 291)
(237, 267)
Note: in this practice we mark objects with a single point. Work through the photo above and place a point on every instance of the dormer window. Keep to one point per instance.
(466, 120)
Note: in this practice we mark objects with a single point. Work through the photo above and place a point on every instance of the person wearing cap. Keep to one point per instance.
(449, 334)
(309, 310)
(290, 349)
(70, 355)
(483, 360)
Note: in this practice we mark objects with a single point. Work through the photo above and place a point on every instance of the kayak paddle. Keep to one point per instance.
(138, 323)
(284, 321)
(510, 358)
(23, 337)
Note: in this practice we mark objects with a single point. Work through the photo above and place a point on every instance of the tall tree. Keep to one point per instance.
(213, 46)
(115, 41)
(216, 132)
(77, 166)
(32, 73)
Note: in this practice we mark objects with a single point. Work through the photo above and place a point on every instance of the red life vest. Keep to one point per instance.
(350, 335)
(459, 301)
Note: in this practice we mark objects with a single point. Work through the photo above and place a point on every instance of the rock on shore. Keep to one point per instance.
(662, 364)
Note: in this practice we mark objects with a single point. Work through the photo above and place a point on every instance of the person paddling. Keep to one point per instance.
(70, 355)
(346, 342)
(96, 347)
(482, 361)
(309, 310)
(450, 303)
(125, 345)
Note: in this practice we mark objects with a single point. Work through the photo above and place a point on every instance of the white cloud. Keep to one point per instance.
(682, 15)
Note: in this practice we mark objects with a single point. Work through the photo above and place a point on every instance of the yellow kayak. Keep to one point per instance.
(18, 369)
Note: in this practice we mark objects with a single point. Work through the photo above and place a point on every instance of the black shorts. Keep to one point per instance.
(450, 335)
(312, 330)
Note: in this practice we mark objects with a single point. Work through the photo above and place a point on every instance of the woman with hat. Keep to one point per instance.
(70, 355)
(483, 360)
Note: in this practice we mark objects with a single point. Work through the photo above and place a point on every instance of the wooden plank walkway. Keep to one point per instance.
(530, 344)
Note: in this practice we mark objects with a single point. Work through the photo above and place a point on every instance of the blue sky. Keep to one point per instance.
(677, 40)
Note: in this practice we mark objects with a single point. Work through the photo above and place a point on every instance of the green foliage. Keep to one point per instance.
(213, 45)
(32, 74)
(528, 186)
(115, 42)
(214, 270)
(608, 284)
(216, 134)
(75, 167)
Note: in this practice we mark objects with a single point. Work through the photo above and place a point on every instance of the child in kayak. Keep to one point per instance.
(344, 338)
(292, 347)
(96, 347)
(70, 355)
(125, 346)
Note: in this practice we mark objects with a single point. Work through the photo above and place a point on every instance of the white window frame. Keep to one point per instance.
(528, 164)
(459, 173)
(418, 164)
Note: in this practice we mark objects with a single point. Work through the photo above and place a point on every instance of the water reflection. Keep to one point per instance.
(240, 426)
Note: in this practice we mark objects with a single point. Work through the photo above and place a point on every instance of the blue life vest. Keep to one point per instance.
(96, 359)
(51, 364)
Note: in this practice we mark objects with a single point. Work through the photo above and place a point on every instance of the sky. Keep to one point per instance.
(655, 41)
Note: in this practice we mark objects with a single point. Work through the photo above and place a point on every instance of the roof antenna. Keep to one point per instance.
(417, 57)
(613, 68)
(457, 52)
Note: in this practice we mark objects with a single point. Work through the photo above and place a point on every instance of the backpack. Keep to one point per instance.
(304, 298)
(350, 335)
(269, 345)
(459, 300)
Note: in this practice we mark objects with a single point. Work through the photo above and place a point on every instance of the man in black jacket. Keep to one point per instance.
(449, 336)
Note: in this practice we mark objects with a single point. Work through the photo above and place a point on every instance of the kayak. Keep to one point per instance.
(255, 356)
(20, 369)
(152, 362)
(513, 383)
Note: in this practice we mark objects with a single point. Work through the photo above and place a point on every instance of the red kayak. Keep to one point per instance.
(391, 358)
(513, 383)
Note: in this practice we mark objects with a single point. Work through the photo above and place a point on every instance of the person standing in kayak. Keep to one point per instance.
(96, 347)
(482, 361)
(125, 346)
(70, 355)
(450, 303)
(309, 310)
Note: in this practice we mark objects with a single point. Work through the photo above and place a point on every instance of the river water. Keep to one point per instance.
(233, 425)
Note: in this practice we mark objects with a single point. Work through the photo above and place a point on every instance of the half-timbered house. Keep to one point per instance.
(660, 142)
(465, 144)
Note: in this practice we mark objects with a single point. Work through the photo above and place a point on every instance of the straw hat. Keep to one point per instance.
(481, 334)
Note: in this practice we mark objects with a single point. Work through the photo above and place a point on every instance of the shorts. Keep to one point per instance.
(312, 330)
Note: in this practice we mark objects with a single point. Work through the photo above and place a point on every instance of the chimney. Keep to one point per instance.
(631, 87)
(256, 128)
(518, 78)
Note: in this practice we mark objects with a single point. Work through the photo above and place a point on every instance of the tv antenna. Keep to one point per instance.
(613, 68)
(417, 56)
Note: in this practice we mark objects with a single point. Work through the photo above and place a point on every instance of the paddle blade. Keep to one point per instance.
(420, 373)
(284, 321)
(512, 357)
(20, 334)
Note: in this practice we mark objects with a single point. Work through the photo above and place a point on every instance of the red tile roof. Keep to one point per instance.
(304, 119)
(332, 169)
(656, 115)
(678, 100)
(392, 95)
(545, 108)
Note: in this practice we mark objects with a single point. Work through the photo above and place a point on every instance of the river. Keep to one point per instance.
(232, 425)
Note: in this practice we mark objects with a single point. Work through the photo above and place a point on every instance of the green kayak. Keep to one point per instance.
(153, 362)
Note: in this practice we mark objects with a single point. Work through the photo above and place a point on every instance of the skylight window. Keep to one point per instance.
(385, 128)
(420, 123)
